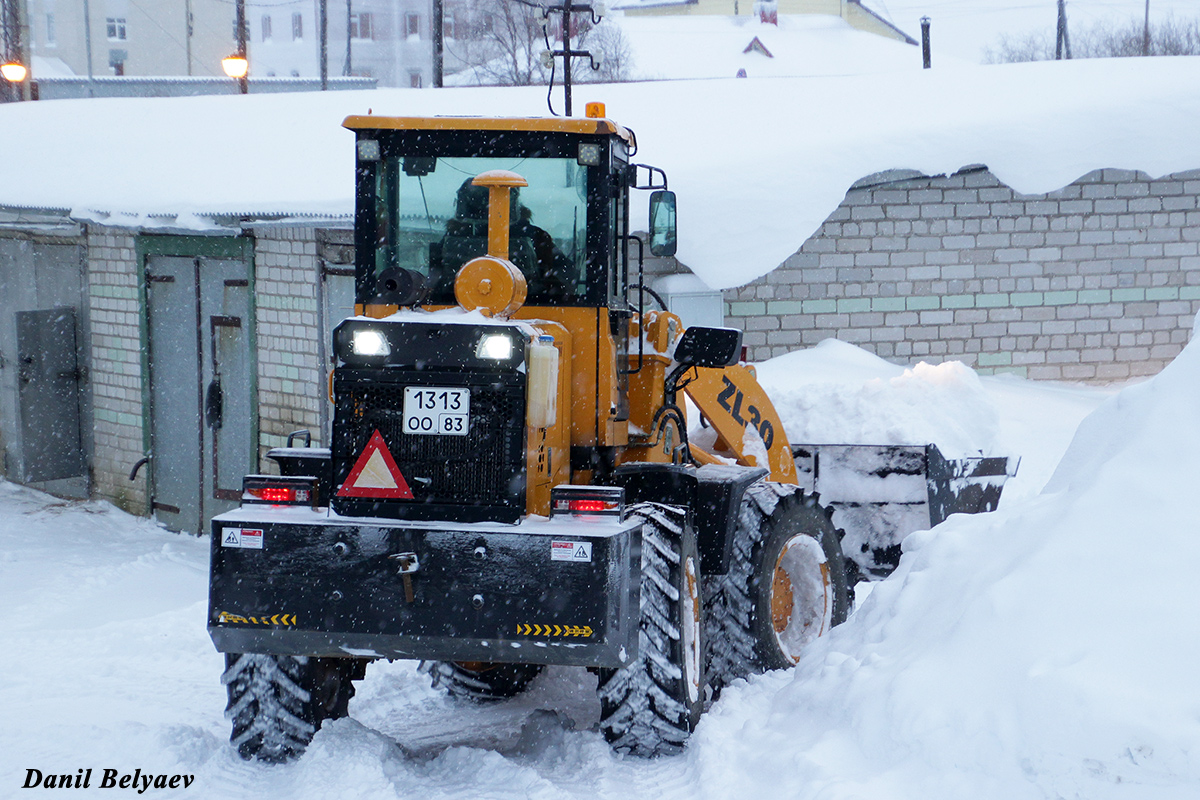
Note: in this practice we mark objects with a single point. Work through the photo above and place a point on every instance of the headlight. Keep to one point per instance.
(496, 346)
(370, 343)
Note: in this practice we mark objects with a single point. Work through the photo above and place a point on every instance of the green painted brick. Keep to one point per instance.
(923, 303)
(747, 308)
(820, 306)
(887, 304)
(784, 307)
(958, 301)
(1128, 295)
(129, 419)
(1064, 298)
(995, 359)
(849, 305)
(1026, 298)
(1022, 372)
(105, 415)
(1095, 296)
(1163, 293)
(991, 300)
(1189, 293)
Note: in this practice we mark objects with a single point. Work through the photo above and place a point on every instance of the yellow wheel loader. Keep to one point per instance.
(510, 482)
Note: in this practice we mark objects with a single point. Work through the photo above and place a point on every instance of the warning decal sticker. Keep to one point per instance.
(248, 538)
(570, 551)
(375, 474)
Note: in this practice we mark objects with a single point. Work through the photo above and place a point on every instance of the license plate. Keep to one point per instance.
(436, 410)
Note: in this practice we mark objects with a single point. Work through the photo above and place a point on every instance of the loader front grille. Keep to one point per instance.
(477, 476)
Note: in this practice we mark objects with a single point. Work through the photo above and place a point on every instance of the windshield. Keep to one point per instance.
(431, 220)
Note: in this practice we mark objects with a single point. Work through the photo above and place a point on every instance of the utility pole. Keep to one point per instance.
(240, 7)
(1146, 32)
(566, 53)
(323, 36)
(349, 65)
(1063, 41)
(87, 37)
(438, 42)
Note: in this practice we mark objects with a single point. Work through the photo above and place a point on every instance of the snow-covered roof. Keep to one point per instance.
(758, 164)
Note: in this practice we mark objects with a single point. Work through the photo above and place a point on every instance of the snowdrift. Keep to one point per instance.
(1047, 651)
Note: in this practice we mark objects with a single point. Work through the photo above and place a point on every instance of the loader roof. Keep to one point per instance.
(580, 125)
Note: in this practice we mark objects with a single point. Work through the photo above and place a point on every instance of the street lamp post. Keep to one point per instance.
(237, 66)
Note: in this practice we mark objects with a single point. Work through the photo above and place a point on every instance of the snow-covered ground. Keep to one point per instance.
(1044, 651)
(701, 46)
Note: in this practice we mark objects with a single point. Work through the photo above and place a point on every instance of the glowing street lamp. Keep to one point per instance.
(235, 66)
(13, 71)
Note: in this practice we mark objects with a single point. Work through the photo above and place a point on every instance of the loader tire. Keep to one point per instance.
(277, 703)
(786, 585)
(481, 682)
(650, 706)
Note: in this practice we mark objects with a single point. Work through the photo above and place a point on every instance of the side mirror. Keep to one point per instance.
(709, 347)
(662, 223)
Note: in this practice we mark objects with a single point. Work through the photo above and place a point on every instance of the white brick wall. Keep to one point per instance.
(1097, 281)
(115, 366)
(291, 381)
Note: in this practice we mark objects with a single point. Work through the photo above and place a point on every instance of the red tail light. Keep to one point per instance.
(279, 490)
(588, 501)
(590, 505)
(276, 494)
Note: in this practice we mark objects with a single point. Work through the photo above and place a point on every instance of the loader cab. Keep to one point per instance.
(419, 219)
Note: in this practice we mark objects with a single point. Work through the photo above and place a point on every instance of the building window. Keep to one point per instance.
(266, 27)
(51, 35)
(414, 80)
(412, 25)
(360, 26)
(447, 27)
(115, 28)
(297, 26)
(116, 61)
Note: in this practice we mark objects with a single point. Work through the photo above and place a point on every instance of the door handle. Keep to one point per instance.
(214, 402)
(141, 462)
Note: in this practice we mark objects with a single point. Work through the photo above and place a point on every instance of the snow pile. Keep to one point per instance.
(1047, 651)
(836, 393)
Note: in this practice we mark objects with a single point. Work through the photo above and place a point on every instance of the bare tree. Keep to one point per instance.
(498, 42)
(1171, 37)
(611, 49)
(501, 43)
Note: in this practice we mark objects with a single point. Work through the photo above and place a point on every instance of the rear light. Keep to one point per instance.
(279, 490)
(606, 502)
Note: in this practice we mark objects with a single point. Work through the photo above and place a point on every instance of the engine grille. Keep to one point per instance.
(482, 471)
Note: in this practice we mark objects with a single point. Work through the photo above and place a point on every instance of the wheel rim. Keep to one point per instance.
(690, 628)
(801, 600)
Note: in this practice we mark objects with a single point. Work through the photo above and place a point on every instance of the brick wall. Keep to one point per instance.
(1097, 281)
(115, 368)
(291, 382)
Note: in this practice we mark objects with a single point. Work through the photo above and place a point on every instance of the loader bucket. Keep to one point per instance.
(881, 493)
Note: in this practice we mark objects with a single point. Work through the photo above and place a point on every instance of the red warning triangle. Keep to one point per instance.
(375, 474)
